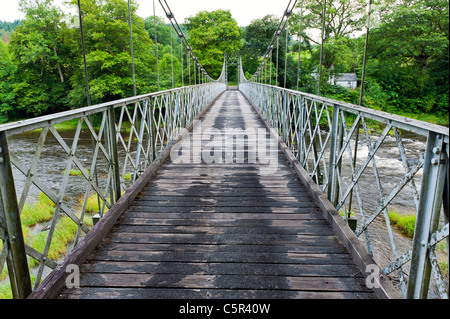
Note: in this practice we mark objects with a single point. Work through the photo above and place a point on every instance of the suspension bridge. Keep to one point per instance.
(210, 191)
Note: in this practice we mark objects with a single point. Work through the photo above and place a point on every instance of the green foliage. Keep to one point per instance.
(108, 53)
(341, 94)
(42, 69)
(258, 35)
(64, 233)
(7, 68)
(409, 57)
(343, 17)
(405, 223)
(39, 212)
(6, 28)
(211, 35)
(42, 58)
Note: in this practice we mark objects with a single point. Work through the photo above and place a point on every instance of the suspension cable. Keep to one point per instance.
(321, 45)
(84, 55)
(156, 45)
(361, 93)
(171, 55)
(184, 41)
(299, 46)
(182, 65)
(283, 22)
(131, 49)
(277, 78)
(285, 55)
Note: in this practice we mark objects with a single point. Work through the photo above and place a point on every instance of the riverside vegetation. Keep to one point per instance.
(35, 219)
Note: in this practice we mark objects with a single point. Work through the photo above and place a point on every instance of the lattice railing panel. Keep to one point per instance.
(93, 163)
(361, 160)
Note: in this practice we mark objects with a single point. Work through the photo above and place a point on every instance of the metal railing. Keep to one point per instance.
(337, 145)
(126, 136)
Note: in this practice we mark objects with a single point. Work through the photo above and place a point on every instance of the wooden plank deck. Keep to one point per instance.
(216, 230)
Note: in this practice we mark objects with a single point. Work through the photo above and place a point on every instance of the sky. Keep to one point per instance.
(243, 11)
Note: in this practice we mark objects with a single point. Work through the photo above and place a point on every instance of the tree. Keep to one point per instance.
(342, 18)
(211, 35)
(409, 56)
(167, 47)
(108, 54)
(38, 48)
(7, 99)
(257, 38)
(6, 28)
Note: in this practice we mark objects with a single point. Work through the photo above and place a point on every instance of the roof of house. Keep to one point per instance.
(346, 77)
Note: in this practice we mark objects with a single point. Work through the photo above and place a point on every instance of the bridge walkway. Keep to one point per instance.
(222, 230)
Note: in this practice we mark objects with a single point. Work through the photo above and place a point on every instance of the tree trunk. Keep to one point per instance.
(59, 67)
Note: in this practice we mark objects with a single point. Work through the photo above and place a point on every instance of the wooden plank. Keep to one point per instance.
(225, 191)
(203, 229)
(230, 239)
(161, 293)
(309, 208)
(236, 257)
(224, 282)
(214, 268)
(230, 222)
(223, 198)
(194, 215)
(328, 248)
(226, 205)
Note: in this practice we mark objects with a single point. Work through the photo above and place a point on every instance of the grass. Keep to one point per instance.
(75, 172)
(39, 212)
(92, 205)
(68, 125)
(430, 118)
(442, 257)
(405, 223)
(64, 234)
(5, 290)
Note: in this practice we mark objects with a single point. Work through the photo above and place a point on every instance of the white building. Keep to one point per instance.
(348, 80)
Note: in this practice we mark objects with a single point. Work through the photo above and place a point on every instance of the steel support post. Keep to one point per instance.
(338, 162)
(333, 145)
(114, 153)
(140, 139)
(284, 118)
(18, 267)
(300, 128)
(152, 131)
(430, 204)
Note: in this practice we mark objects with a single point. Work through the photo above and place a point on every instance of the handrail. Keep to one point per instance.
(55, 118)
(402, 122)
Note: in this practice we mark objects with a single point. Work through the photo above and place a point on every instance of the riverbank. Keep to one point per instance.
(35, 219)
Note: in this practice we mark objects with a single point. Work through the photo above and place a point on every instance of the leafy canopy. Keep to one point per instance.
(211, 35)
